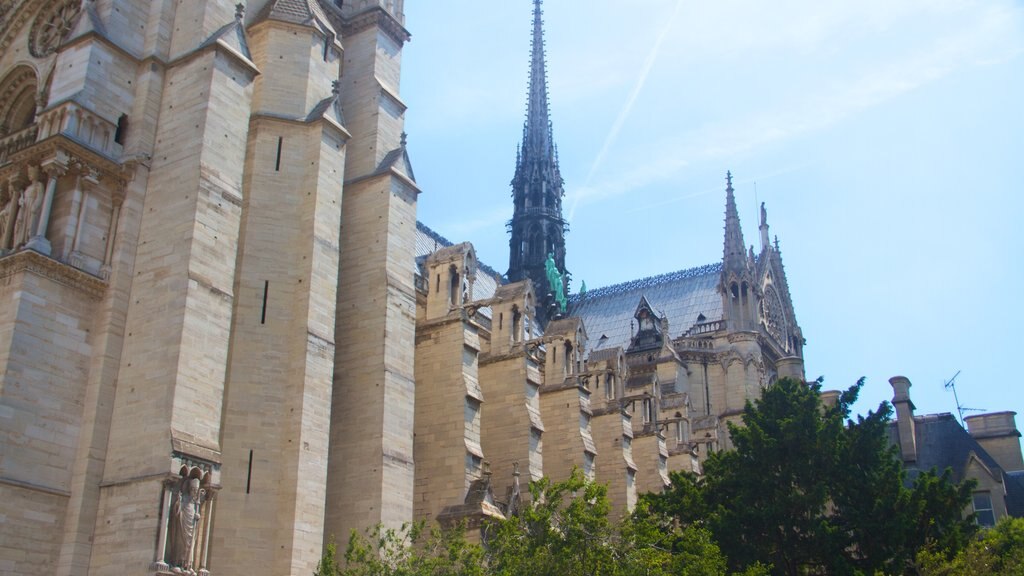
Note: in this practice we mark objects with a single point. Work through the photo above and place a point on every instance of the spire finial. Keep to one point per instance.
(537, 132)
(335, 87)
(405, 139)
(734, 256)
(239, 11)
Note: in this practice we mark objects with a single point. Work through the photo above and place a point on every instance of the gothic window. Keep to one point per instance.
(773, 317)
(52, 26)
(609, 386)
(536, 244)
(17, 100)
(646, 322)
(567, 359)
(453, 285)
(516, 318)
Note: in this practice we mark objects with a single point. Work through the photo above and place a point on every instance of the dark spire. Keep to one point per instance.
(537, 131)
(734, 255)
(537, 226)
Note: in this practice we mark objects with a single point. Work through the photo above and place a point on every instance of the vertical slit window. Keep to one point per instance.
(248, 476)
(263, 313)
(280, 144)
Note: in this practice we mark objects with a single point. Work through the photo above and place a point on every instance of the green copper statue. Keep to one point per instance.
(555, 281)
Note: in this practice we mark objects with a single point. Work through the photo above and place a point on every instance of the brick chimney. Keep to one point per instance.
(904, 417)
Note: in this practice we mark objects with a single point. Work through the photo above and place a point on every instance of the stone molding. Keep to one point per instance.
(29, 261)
(380, 18)
(61, 149)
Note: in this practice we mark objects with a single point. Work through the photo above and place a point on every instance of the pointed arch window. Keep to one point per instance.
(18, 93)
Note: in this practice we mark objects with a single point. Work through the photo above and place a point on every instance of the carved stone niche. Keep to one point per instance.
(186, 515)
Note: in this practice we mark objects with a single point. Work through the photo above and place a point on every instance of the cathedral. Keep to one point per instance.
(226, 340)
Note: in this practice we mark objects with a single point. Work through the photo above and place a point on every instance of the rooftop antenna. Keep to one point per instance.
(960, 408)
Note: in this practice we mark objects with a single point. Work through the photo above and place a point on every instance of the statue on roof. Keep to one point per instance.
(555, 281)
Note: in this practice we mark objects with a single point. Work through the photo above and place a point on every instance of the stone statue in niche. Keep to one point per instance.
(186, 509)
(30, 203)
(7, 204)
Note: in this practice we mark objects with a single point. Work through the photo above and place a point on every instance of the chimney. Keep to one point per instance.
(904, 417)
(997, 434)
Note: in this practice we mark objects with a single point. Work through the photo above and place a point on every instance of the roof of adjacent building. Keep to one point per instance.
(683, 297)
(943, 443)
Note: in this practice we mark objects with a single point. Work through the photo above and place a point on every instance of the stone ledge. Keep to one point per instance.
(29, 261)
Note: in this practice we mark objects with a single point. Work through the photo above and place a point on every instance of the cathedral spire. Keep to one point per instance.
(734, 254)
(537, 227)
(537, 130)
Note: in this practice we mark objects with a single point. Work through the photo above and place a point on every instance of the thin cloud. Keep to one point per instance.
(613, 134)
(992, 36)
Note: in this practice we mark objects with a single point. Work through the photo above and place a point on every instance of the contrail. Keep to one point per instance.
(613, 134)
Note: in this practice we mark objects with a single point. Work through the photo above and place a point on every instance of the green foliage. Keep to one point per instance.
(999, 552)
(566, 531)
(808, 492)
(408, 551)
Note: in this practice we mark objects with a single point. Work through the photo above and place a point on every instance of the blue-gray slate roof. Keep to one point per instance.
(683, 296)
(943, 443)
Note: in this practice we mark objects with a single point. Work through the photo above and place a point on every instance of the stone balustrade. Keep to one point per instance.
(73, 121)
(706, 328)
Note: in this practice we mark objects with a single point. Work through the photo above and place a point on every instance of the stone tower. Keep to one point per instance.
(737, 283)
(537, 226)
(184, 295)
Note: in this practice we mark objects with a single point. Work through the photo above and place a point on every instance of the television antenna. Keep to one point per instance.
(960, 408)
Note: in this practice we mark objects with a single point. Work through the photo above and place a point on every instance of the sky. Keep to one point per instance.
(885, 138)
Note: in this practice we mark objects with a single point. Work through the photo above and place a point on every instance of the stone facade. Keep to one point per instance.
(225, 340)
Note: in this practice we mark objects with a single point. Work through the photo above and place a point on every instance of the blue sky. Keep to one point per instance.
(886, 139)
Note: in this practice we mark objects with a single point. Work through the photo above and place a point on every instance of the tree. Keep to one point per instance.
(999, 552)
(408, 551)
(810, 492)
(566, 532)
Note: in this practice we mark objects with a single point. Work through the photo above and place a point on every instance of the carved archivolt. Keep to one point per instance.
(17, 100)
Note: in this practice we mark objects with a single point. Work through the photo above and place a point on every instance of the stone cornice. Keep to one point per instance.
(34, 263)
(744, 336)
(69, 152)
(380, 18)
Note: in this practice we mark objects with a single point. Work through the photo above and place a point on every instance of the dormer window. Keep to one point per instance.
(646, 322)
